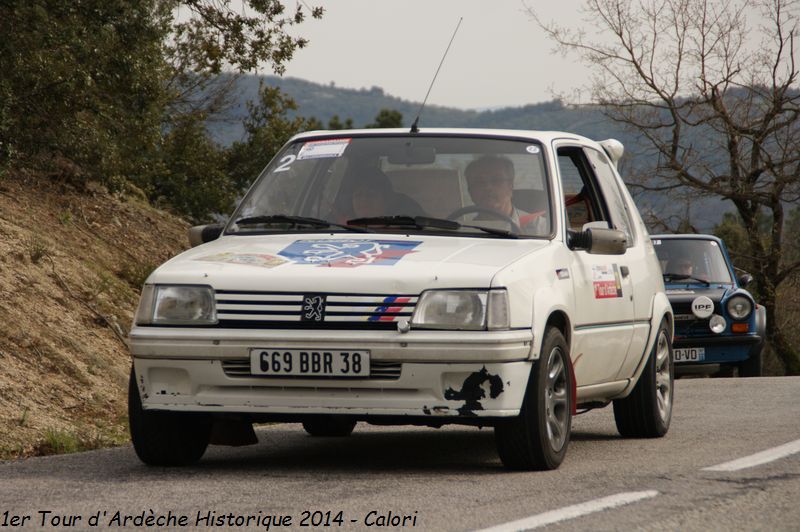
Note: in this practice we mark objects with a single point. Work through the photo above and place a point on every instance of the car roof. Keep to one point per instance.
(687, 236)
(542, 136)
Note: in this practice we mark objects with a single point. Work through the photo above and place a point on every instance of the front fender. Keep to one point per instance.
(761, 330)
(546, 302)
(660, 310)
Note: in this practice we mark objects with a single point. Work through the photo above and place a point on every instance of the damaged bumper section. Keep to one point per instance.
(431, 374)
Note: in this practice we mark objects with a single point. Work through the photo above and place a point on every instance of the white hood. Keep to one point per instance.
(386, 263)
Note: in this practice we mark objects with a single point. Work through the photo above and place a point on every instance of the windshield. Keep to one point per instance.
(690, 259)
(408, 183)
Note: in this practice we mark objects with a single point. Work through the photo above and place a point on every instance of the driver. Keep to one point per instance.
(490, 180)
(681, 266)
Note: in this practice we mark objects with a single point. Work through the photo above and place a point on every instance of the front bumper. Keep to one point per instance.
(442, 374)
(712, 341)
(719, 349)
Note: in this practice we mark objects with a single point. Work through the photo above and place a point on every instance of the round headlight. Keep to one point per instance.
(739, 307)
(717, 324)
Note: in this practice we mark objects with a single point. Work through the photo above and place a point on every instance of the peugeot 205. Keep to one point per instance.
(718, 325)
(479, 277)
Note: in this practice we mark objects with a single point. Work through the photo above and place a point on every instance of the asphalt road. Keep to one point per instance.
(447, 479)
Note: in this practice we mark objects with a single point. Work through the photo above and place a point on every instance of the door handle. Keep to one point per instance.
(624, 271)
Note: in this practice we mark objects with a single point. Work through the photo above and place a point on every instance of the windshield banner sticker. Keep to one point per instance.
(318, 149)
(606, 281)
(348, 253)
(261, 260)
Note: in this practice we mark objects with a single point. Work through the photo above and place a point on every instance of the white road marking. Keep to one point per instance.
(763, 457)
(571, 512)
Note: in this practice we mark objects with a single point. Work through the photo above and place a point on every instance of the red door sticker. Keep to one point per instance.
(606, 281)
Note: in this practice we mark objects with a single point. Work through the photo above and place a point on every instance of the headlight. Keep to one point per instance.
(176, 305)
(462, 310)
(717, 324)
(739, 307)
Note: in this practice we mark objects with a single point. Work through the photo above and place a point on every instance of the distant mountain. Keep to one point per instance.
(362, 105)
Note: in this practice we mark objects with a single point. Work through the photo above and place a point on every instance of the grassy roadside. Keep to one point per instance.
(71, 266)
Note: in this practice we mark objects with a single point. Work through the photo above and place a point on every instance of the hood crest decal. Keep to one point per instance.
(348, 253)
(262, 260)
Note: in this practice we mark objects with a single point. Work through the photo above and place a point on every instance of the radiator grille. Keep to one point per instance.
(259, 310)
(687, 324)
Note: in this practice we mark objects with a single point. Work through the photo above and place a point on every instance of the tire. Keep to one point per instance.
(725, 371)
(329, 426)
(166, 438)
(753, 366)
(538, 438)
(647, 411)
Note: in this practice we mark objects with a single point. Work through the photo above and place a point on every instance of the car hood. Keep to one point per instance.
(375, 264)
(682, 294)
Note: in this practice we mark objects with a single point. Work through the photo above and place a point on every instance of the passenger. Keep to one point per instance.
(372, 195)
(490, 180)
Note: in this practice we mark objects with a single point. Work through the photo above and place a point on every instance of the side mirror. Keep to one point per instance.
(599, 241)
(745, 279)
(200, 234)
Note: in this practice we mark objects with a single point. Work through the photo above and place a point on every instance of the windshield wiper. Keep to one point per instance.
(493, 231)
(682, 277)
(296, 220)
(423, 222)
(419, 222)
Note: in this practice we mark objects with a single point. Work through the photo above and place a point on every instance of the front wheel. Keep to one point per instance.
(753, 366)
(537, 439)
(166, 438)
(647, 411)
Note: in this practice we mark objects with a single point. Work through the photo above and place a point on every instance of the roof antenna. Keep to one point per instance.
(414, 128)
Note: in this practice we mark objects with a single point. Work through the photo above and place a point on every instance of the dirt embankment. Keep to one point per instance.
(71, 267)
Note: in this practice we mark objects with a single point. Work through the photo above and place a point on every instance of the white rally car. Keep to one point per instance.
(479, 277)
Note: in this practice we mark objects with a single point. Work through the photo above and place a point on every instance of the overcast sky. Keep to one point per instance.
(499, 56)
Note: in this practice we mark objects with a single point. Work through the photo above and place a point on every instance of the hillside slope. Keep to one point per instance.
(71, 266)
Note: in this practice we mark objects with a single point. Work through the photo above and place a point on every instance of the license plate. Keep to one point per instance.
(309, 362)
(690, 354)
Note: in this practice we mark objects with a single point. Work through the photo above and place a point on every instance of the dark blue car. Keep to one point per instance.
(718, 325)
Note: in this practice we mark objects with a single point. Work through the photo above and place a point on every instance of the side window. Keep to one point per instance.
(581, 198)
(610, 186)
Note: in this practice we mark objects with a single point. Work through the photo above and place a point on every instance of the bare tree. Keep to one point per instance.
(710, 86)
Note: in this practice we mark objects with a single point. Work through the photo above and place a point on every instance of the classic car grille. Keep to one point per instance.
(687, 324)
(270, 310)
(240, 367)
